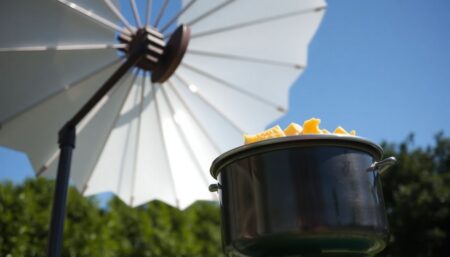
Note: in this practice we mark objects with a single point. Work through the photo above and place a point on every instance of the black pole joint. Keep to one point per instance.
(67, 136)
(66, 141)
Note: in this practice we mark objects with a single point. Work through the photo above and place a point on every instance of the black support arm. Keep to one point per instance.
(66, 141)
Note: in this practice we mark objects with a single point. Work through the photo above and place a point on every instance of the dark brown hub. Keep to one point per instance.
(160, 58)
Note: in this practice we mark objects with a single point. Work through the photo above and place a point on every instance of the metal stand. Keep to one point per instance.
(146, 50)
(67, 136)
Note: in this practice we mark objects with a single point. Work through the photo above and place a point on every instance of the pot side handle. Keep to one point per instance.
(383, 165)
(214, 187)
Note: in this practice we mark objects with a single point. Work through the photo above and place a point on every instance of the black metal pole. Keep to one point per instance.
(66, 145)
(67, 136)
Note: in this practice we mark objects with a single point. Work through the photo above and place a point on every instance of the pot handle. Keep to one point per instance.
(383, 165)
(214, 187)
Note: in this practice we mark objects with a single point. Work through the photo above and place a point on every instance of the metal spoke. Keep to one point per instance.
(174, 18)
(161, 13)
(247, 59)
(211, 105)
(85, 121)
(191, 113)
(63, 47)
(184, 138)
(80, 127)
(127, 142)
(138, 141)
(58, 91)
(94, 16)
(116, 118)
(204, 15)
(234, 87)
(161, 131)
(47, 164)
(148, 12)
(137, 18)
(208, 13)
(256, 22)
(116, 12)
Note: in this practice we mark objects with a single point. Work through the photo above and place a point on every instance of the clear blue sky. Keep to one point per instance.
(379, 66)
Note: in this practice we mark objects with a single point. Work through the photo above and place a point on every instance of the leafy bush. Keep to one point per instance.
(417, 194)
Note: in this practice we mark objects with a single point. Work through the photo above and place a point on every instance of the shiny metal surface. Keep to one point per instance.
(313, 199)
(294, 142)
(383, 165)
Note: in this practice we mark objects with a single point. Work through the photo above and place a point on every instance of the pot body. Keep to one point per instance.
(304, 197)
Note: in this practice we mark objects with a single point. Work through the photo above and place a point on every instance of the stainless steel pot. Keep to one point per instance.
(308, 195)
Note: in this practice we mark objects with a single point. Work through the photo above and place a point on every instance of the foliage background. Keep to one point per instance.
(417, 195)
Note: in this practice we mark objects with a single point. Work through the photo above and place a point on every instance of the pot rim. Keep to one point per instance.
(287, 142)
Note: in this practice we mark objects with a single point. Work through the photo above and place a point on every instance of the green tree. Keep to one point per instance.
(204, 222)
(416, 191)
(417, 196)
(24, 212)
(157, 229)
(154, 229)
(85, 230)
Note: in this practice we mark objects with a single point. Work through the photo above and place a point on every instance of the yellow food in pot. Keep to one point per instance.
(270, 133)
(324, 131)
(310, 126)
(293, 129)
(340, 130)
